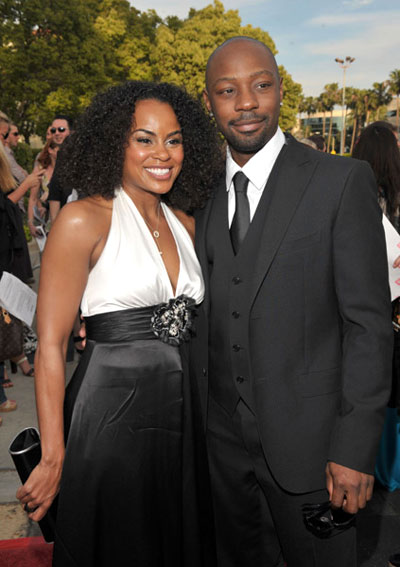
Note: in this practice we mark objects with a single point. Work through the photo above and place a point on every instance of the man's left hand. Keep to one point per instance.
(348, 489)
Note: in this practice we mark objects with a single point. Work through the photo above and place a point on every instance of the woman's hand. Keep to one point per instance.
(40, 489)
(34, 230)
(34, 179)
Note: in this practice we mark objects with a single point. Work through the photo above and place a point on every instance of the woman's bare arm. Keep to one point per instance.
(66, 262)
(31, 181)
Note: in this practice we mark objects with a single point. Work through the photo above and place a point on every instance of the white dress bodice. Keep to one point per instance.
(130, 271)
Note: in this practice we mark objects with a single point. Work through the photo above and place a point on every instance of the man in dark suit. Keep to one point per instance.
(297, 311)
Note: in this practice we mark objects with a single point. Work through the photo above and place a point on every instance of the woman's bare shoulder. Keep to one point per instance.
(89, 212)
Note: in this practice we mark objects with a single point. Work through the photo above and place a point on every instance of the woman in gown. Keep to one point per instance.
(378, 145)
(132, 478)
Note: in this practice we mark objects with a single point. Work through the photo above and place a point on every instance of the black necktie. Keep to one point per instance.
(241, 219)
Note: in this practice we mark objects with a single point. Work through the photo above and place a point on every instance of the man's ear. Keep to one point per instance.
(207, 100)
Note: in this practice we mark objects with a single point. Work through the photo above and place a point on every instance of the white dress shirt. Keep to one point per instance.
(257, 170)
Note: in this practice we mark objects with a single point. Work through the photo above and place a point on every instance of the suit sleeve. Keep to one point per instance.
(361, 283)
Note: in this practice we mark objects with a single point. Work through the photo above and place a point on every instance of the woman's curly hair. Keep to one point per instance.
(92, 157)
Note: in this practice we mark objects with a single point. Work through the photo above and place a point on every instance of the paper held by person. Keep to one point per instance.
(18, 298)
(393, 251)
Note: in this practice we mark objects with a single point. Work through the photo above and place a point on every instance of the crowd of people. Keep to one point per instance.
(237, 350)
(15, 184)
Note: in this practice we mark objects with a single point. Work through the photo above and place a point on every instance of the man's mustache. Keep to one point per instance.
(249, 117)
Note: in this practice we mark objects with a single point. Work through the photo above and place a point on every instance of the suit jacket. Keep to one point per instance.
(317, 319)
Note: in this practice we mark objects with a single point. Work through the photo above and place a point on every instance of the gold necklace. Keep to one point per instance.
(155, 232)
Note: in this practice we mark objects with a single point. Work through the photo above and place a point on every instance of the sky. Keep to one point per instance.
(310, 34)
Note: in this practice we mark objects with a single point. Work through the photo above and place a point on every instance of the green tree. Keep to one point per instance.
(370, 104)
(129, 36)
(394, 89)
(383, 98)
(55, 55)
(307, 105)
(181, 52)
(330, 96)
(51, 59)
(354, 101)
(320, 107)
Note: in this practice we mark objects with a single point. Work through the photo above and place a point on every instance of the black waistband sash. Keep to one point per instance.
(170, 322)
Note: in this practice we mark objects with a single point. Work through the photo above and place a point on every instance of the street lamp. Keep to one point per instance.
(344, 64)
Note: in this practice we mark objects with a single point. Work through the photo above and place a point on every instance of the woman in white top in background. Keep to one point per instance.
(131, 475)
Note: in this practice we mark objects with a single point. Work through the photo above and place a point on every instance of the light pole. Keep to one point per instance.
(344, 64)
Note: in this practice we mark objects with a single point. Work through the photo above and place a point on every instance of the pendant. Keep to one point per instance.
(156, 234)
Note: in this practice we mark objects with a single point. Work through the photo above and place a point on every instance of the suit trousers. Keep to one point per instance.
(258, 523)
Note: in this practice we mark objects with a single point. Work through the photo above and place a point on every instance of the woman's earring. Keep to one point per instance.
(211, 114)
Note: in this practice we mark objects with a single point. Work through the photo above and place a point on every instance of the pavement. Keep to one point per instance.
(13, 520)
(378, 524)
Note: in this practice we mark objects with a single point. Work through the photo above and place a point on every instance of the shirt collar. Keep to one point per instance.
(258, 168)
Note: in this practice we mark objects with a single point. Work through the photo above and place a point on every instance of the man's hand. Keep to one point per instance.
(348, 489)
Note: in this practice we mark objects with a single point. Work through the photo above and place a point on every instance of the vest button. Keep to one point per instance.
(204, 372)
(235, 314)
(236, 280)
(239, 379)
(236, 348)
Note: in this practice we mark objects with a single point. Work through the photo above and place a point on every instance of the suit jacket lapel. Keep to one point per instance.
(287, 183)
(202, 218)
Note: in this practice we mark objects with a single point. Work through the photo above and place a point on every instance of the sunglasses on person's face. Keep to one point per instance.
(15, 133)
(5, 136)
(60, 129)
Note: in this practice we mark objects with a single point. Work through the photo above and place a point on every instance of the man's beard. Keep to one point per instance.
(249, 143)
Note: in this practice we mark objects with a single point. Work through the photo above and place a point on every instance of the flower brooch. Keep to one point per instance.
(172, 322)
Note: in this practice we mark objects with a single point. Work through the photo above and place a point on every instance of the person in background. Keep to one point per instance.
(318, 141)
(308, 142)
(379, 148)
(4, 128)
(10, 144)
(38, 206)
(60, 129)
(6, 404)
(14, 254)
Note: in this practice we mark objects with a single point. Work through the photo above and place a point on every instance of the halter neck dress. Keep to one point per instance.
(134, 487)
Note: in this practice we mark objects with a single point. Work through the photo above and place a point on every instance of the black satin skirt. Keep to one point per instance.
(134, 489)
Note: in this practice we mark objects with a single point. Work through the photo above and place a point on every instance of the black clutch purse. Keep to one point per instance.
(25, 451)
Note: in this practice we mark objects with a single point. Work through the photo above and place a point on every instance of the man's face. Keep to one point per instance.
(13, 136)
(244, 93)
(59, 130)
(4, 129)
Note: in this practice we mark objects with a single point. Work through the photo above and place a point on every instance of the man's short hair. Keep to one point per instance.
(318, 141)
(65, 117)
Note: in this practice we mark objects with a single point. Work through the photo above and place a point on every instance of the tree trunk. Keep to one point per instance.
(330, 133)
(353, 137)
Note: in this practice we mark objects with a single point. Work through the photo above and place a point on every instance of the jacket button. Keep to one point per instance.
(204, 372)
(239, 379)
(236, 280)
(235, 314)
(236, 348)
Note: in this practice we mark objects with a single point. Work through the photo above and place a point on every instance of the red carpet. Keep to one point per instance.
(25, 552)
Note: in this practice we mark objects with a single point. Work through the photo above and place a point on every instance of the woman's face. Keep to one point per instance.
(154, 156)
(53, 152)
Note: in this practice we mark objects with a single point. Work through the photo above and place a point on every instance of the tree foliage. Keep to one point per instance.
(55, 55)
